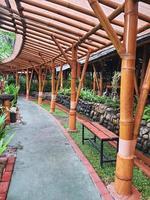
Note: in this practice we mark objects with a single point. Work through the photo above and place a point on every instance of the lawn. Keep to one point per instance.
(140, 181)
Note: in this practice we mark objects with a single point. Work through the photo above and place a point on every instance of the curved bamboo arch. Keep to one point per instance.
(17, 49)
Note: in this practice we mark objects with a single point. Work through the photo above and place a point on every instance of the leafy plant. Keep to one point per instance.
(146, 115)
(4, 137)
(6, 44)
(14, 90)
(89, 95)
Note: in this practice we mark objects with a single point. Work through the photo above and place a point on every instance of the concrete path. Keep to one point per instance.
(47, 167)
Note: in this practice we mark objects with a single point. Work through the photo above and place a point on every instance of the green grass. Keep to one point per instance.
(140, 181)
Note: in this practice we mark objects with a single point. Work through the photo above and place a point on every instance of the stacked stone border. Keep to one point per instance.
(6, 176)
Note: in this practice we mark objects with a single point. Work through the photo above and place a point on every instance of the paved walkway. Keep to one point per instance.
(47, 167)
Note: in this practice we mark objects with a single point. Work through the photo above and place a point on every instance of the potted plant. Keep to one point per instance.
(13, 90)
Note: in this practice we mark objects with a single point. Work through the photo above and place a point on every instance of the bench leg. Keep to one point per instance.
(82, 134)
(101, 154)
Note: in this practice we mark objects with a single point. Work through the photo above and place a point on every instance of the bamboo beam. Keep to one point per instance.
(61, 49)
(141, 102)
(53, 88)
(72, 112)
(106, 25)
(125, 156)
(82, 76)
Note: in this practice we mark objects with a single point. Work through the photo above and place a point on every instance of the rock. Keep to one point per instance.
(108, 116)
(148, 124)
(109, 109)
(145, 136)
(101, 119)
(143, 131)
(143, 123)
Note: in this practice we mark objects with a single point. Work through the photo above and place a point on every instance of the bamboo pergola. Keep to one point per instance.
(55, 32)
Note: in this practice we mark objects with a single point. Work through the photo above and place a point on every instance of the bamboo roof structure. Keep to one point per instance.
(46, 30)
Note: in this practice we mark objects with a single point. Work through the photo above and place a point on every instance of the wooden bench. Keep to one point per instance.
(103, 134)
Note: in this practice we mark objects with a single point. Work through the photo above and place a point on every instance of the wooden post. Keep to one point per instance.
(40, 95)
(125, 156)
(72, 113)
(27, 84)
(53, 92)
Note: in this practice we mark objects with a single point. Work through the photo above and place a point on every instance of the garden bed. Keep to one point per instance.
(7, 162)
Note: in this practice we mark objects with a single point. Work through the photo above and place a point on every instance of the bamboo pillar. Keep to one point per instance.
(100, 84)
(78, 71)
(82, 76)
(17, 79)
(72, 113)
(125, 156)
(53, 92)
(40, 95)
(7, 105)
(142, 101)
(144, 65)
(136, 86)
(27, 84)
(61, 79)
(94, 81)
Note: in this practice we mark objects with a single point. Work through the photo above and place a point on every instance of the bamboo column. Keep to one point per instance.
(40, 95)
(82, 76)
(94, 81)
(79, 71)
(27, 84)
(144, 65)
(61, 79)
(53, 92)
(7, 105)
(125, 156)
(145, 89)
(72, 113)
(100, 84)
(17, 79)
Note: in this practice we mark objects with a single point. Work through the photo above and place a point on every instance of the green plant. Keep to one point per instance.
(4, 137)
(146, 115)
(14, 90)
(7, 40)
(89, 95)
